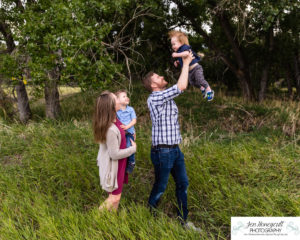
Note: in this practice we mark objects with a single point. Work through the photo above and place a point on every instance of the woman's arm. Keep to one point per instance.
(113, 147)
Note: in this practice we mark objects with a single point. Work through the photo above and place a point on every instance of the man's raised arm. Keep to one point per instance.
(183, 79)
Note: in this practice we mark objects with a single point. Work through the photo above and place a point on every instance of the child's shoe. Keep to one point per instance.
(210, 95)
(203, 93)
(130, 166)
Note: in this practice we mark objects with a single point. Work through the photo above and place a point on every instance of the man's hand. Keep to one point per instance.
(176, 63)
(182, 54)
(188, 58)
(183, 79)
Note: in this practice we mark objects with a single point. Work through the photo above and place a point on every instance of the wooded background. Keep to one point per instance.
(250, 46)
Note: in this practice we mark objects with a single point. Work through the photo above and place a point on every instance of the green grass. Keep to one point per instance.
(242, 159)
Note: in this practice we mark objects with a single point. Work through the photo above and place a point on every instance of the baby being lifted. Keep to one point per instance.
(181, 47)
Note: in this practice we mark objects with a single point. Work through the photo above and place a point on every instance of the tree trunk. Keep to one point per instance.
(243, 72)
(5, 103)
(289, 83)
(52, 95)
(267, 64)
(297, 73)
(23, 102)
(263, 84)
(10, 44)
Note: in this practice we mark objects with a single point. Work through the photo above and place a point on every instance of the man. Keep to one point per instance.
(165, 153)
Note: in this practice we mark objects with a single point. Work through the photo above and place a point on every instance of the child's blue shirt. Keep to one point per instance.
(185, 47)
(126, 116)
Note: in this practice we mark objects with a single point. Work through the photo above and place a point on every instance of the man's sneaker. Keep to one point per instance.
(210, 95)
(130, 167)
(191, 226)
(153, 211)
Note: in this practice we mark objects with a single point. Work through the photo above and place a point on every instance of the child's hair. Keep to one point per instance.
(182, 37)
(104, 115)
(120, 91)
(147, 81)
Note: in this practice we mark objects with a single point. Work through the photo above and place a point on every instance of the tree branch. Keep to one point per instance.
(6, 32)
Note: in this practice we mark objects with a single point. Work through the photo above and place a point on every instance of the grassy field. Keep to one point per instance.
(243, 159)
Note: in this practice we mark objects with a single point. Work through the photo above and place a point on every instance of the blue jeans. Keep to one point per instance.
(166, 161)
(129, 136)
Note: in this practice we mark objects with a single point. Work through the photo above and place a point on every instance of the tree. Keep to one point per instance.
(9, 18)
(79, 42)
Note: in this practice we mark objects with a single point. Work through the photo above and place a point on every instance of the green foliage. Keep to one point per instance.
(97, 43)
(11, 68)
(69, 37)
(241, 158)
(76, 38)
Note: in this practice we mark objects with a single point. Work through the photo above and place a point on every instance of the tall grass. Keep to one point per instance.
(242, 159)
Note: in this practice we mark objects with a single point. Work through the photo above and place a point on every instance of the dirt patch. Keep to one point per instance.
(11, 160)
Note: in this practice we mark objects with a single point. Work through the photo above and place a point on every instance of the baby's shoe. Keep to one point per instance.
(203, 93)
(210, 95)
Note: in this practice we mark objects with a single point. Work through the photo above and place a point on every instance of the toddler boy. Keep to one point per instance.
(127, 117)
(180, 46)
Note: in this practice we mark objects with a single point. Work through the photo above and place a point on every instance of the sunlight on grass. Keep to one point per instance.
(63, 90)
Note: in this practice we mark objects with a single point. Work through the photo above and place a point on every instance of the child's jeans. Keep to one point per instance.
(131, 159)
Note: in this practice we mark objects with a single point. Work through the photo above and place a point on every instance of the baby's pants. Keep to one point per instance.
(196, 77)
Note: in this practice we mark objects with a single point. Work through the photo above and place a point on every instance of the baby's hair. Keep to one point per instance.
(182, 37)
(120, 91)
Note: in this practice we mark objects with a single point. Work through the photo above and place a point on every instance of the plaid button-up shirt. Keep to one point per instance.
(164, 116)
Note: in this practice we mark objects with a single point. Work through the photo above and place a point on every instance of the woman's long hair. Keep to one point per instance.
(104, 115)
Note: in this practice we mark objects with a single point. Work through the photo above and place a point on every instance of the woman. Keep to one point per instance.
(112, 155)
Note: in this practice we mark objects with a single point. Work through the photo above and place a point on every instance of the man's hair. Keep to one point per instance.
(120, 91)
(147, 81)
(182, 37)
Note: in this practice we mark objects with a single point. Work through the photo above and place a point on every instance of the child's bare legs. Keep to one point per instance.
(111, 203)
(208, 89)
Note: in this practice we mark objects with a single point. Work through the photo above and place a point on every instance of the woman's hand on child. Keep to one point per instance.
(124, 127)
(132, 143)
(176, 63)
